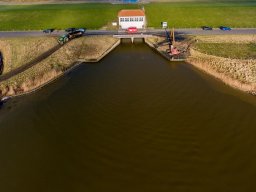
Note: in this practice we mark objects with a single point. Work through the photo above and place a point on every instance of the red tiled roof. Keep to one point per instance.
(130, 13)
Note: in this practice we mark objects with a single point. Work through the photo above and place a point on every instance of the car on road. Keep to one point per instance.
(81, 30)
(48, 30)
(206, 28)
(65, 38)
(132, 30)
(224, 28)
(74, 34)
(69, 30)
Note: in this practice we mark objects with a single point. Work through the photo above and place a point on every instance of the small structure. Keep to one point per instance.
(132, 36)
(164, 24)
(132, 18)
(130, 1)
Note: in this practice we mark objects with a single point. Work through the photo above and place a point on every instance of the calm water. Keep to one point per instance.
(133, 122)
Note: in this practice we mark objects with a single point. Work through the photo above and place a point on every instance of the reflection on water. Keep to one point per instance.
(133, 122)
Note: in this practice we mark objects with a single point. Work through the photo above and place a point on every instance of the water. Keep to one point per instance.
(132, 122)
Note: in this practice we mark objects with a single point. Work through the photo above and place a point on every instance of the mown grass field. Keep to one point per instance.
(94, 16)
(194, 15)
(57, 16)
(229, 50)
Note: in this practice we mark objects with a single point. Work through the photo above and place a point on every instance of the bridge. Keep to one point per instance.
(132, 36)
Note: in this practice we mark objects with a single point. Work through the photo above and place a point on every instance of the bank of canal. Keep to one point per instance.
(132, 122)
(25, 72)
(47, 61)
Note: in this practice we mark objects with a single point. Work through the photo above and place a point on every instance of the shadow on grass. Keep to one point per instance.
(1, 63)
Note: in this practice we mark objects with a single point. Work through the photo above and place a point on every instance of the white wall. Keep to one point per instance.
(125, 22)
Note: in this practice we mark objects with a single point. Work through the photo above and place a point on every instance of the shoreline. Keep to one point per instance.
(91, 51)
(30, 83)
(201, 60)
(72, 67)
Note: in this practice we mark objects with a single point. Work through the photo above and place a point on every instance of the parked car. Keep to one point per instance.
(206, 28)
(132, 30)
(65, 38)
(81, 30)
(76, 33)
(70, 30)
(224, 28)
(48, 30)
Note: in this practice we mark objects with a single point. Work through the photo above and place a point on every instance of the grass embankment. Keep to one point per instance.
(194, 14)
(229, 50)
(61, 16)
(94, 16)
(18, 51)
(85, 48)
(234, 61)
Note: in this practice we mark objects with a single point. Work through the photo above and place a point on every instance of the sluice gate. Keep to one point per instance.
(132, 36)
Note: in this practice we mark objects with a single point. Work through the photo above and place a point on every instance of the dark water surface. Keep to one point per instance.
(133, 122)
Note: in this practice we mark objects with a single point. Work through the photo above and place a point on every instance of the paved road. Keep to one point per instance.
(148, 31)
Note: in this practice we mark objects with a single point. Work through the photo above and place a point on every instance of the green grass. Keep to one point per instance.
(198, 14)
(229, 50)
(91, 16)
(94, 16)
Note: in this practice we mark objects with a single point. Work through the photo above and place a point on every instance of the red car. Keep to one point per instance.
(132, 30)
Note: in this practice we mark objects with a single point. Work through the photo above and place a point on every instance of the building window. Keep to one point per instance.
(127, 19)
(136, 19)
(131, 19)
(141, 18)
(121, 19)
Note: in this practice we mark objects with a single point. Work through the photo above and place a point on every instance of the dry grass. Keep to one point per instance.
(242, 70)
(228, 50)
(237, 73)
(19, 51)
(53, 66)
(226, 58)
(227, 38)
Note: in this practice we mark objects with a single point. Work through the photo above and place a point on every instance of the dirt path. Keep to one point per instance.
(29, 64)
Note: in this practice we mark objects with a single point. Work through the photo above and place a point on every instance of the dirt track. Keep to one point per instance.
(29, 64)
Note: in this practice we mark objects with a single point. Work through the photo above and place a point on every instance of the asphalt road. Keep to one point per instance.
(148, 31)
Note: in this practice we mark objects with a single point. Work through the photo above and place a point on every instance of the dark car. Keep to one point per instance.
(76, 33)
(224, 28)
(48, 30)
(81, 30)
(69, 30)
(206, 28)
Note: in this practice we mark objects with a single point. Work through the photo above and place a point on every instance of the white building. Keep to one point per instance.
(132, 18)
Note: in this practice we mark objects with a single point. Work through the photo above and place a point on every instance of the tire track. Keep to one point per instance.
(29, 64)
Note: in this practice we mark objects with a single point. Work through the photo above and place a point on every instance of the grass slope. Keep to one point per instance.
(199, 14)
(93, 16)
(229, 50)
(25, 17)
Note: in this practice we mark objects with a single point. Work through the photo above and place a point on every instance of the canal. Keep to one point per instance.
(132, 122)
